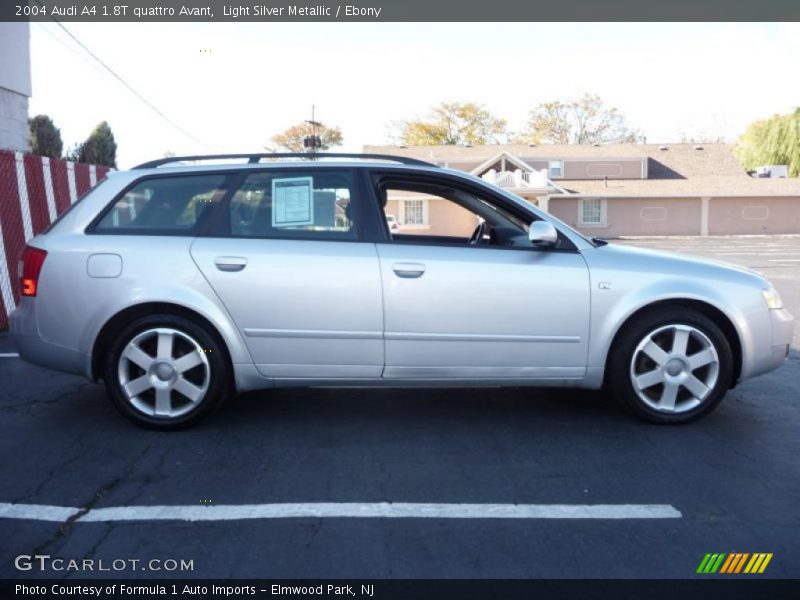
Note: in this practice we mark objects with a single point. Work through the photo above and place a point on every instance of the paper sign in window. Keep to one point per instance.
(325, 209)
(292, 202)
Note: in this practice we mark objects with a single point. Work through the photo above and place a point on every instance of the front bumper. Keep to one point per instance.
(782, 332)
(34, 349)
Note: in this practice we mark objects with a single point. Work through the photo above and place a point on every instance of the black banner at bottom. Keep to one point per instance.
(404, 589)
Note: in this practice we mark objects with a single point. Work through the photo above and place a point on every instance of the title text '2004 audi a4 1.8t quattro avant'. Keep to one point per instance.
(184, 281)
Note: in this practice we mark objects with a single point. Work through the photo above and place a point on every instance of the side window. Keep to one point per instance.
(429, 214)
(433, 214)
(296, 204)
(164, 204)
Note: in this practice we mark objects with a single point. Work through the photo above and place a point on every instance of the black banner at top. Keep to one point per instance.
(102, 11)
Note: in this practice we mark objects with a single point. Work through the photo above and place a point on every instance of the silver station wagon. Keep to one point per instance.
(180, 284)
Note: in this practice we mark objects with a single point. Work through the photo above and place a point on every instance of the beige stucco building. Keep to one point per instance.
(612, 190)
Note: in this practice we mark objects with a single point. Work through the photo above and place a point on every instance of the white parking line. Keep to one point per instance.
(36, 512)
(9, 355)
(357, 510)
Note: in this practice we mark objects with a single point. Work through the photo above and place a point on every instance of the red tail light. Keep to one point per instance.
(29, 268)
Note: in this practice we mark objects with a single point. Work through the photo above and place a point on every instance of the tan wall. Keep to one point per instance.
(393, 208)
(447, 218)
(565, 209)
(595, 169)
(538, 164)
(573, 169)
(753, 216)
(598, 169)
(636, 216)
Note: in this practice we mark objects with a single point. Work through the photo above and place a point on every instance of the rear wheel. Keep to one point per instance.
(671, 366)
(166, 372)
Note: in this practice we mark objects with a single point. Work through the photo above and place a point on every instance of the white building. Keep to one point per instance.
(15, 85)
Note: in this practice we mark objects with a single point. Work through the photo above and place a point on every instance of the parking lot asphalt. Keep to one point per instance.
(732, 476)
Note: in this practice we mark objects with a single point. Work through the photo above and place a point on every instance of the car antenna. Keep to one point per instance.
(313, 141)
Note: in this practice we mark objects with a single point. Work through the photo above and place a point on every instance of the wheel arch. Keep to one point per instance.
(723, 321)
(114, 325)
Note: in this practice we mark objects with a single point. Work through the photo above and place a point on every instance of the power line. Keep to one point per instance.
(128, 86)
(43, 27)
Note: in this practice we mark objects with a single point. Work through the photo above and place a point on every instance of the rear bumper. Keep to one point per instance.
(33, 349)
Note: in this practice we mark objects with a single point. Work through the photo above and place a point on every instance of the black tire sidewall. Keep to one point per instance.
(622, 353)
(219, 384)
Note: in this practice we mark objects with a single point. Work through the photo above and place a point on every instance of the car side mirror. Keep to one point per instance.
(542, 234)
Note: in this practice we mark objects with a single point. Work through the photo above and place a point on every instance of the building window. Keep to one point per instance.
(414, 212)
(555, 168)
(592, 211)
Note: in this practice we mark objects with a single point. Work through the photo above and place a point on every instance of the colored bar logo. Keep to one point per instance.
(734, 562)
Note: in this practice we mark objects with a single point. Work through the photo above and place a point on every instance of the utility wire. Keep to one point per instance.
(125, 83)
(71, 48)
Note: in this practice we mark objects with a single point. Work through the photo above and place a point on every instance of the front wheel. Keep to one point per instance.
(166, 372)
(671, 366)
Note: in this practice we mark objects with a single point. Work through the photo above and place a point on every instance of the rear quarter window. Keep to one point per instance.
(167, 204)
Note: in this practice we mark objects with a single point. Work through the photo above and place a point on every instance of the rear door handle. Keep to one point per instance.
(230, 264)
(408, 270)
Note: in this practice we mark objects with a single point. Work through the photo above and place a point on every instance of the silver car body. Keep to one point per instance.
(363, 313)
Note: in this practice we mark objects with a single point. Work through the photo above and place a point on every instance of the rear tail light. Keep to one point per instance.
(29, 268)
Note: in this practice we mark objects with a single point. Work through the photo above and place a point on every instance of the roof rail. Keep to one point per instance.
(256, 158)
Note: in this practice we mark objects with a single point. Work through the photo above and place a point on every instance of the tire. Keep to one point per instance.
(166, 372)
(670, 366)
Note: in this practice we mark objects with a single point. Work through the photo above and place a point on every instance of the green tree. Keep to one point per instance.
(451, 123)
(773, 141)
(45, 137)
(99, 148)
(583, 120)
(292, 139)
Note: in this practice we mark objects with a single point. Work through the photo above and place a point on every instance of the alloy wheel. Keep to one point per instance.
(674, 368)
(163, 372)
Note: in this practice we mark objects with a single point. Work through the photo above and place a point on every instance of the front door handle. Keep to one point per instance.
(408, 270)
(230, 264)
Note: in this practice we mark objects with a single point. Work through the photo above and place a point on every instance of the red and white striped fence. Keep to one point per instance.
(34, 190)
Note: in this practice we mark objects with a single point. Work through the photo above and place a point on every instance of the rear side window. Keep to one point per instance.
(164, 204)
(298, 204)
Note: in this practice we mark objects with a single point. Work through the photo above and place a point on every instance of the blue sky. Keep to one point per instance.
(253, 80)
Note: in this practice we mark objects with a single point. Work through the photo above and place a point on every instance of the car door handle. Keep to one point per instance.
(408, 270)
(230, 264)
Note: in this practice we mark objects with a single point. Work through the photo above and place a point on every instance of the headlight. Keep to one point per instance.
(772, 298)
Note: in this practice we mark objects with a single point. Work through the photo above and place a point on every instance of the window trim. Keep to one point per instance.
(550, 164)
(603, 213)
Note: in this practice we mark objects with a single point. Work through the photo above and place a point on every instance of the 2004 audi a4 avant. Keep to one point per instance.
(181, 285)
